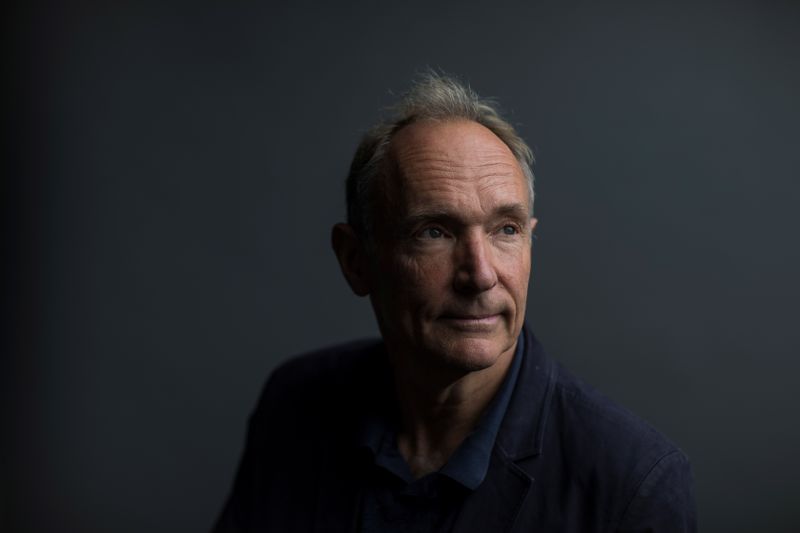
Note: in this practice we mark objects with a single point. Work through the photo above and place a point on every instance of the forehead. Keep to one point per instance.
(459, 163)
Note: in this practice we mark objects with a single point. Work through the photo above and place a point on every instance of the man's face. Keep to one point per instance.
(453, 231)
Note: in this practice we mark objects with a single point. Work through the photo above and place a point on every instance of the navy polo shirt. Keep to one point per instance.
(392, 500)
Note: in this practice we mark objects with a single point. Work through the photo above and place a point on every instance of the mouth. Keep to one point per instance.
(470, 322)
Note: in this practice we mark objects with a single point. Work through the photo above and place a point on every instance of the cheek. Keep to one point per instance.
(421, 277)
(516, 270)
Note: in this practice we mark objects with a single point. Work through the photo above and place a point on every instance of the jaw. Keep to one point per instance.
(457, 346)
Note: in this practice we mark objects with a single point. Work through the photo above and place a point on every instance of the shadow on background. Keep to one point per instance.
(174, 172)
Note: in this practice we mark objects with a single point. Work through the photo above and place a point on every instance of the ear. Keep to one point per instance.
(352, 258)
(533, 224)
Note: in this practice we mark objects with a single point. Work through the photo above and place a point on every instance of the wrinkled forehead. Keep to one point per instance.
(455, 159)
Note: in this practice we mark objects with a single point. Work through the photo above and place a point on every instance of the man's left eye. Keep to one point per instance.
(508, 229)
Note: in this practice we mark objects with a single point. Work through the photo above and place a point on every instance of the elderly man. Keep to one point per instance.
(456, 420)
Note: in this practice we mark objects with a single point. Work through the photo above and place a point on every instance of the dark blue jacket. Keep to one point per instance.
(566, 458)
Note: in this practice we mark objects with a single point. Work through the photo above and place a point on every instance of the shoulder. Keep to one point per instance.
(329, 363)
(615, 454)
(319, 379)
(582, 410)
(299, 417)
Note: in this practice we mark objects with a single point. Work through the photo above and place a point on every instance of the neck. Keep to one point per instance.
(438, 412)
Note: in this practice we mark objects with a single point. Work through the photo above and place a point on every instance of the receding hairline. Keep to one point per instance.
(393, 169)
(428, 122)
(433, 97)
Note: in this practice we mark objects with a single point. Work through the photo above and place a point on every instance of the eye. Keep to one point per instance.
(432, 233)
(509, 229)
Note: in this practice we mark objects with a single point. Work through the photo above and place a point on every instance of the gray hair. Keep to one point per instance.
(433, 96)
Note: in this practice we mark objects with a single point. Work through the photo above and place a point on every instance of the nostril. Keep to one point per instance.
(475, 276)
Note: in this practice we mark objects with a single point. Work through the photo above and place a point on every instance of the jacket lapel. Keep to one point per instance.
(495, 504)
(522, 432)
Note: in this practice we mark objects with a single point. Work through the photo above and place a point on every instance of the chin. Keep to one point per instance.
(472, 354)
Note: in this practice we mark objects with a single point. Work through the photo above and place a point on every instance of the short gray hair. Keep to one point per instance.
(433, 96)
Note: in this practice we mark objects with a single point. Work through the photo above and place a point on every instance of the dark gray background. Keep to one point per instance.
(175, 170)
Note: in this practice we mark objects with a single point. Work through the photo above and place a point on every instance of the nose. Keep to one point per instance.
(475, 271)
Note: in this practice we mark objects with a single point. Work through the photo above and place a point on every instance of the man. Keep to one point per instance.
(457, 420)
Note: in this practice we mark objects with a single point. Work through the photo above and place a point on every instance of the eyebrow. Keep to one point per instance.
(517, 211)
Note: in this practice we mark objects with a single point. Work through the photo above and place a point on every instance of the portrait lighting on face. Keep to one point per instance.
(454, 247)
(444, 423)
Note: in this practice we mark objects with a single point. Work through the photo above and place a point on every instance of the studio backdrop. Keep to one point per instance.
(174, 170)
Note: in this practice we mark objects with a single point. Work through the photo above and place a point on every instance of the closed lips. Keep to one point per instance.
(470, 317)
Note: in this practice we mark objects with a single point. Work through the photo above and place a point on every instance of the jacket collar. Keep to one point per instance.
(497, 502)
(522, 431)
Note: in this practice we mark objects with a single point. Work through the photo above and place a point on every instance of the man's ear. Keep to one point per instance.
(352, 258)
(533, 224)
